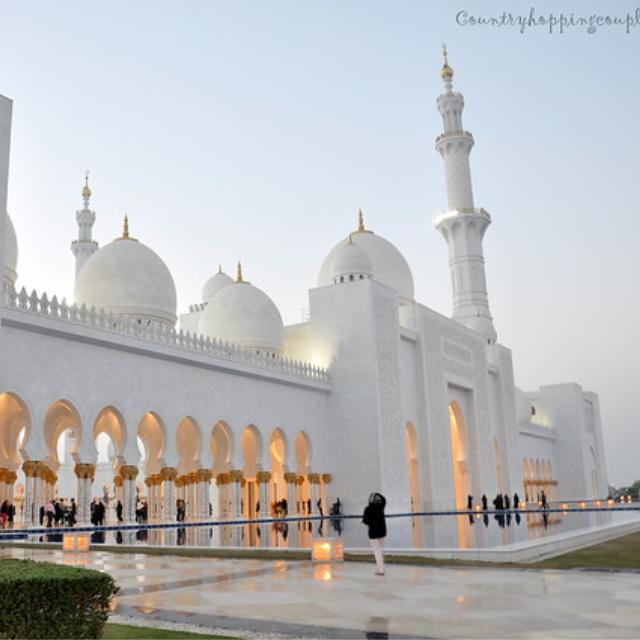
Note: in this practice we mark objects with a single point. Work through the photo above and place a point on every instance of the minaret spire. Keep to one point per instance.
(84, 246)
(462, 225)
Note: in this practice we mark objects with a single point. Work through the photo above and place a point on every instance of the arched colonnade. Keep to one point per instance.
(217, 472)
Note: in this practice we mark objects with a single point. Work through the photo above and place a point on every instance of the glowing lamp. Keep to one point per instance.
(327, 550)
(75, 542)
(583, 505)
(598, 503)
(611, 502)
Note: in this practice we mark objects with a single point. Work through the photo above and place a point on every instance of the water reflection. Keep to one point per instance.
(481, 529)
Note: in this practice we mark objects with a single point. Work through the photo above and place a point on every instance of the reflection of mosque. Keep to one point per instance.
(234, 411)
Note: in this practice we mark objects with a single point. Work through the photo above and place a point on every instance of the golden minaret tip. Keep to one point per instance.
(239, 274)
(125, 227)
(447, 71)
(361, 221)
(86, 192)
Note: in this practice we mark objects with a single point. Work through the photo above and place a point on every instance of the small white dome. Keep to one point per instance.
(127, 278)
(215, 283)
(350, 262)
(246, 316)
(10, 252)
(389, 266)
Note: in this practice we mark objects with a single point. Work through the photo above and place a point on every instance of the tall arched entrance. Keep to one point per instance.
(460, 467)
(278, 453)
(413, 467)
(252, 455)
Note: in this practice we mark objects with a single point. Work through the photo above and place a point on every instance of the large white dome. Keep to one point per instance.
(350, 262)
(128, 278)
(214, 284)
(246, 316)
(10, 252)
(389, 266)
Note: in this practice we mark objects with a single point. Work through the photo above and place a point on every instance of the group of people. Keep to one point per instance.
(98, 512)
(7, 513)
(504, 502)
(58, 513)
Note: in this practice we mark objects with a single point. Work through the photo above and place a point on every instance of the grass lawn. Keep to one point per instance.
(619, 553)
(125, 631)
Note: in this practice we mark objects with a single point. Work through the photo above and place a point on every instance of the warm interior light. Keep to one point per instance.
(75, 542)
(327, 550)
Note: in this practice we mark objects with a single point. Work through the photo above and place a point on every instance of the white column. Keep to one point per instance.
(313, 482)
(265, 506)
(129, 473)
(291, 494)
(203, 489)
(169, 475)
(29, 468)
(235, 493)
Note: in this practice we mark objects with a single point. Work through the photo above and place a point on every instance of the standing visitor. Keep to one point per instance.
(516, 500)
(74, 511)
(485, 505)
(319, 503)
(543, 500)
(119, 511)
(4, 513)
(507, 505)
(373, 517)
(469, 503)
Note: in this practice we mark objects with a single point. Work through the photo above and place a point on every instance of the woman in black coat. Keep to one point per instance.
(373, 517)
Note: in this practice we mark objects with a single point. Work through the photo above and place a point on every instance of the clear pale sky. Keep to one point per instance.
(255, 130)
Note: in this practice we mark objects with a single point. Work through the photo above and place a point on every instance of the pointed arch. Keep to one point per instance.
(221, 443)
(15, 417)
(151, 430)
(303, 452)
(413, 467)
(252, 448)
(61, 417)
(188, 444)
(110, 421)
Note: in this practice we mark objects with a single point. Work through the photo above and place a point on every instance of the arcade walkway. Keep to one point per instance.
(298, 599)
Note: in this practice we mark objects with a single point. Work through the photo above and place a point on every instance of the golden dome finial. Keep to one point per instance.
(125, 227)
(86, 192)
(447, 71)
(361, 220)
(219, 268)
(239, 274)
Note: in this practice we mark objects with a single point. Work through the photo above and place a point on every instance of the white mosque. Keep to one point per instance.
(226, 406)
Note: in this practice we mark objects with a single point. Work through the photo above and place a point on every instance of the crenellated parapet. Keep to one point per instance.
(54, 309)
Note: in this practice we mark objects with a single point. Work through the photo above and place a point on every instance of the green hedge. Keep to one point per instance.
(46, 600)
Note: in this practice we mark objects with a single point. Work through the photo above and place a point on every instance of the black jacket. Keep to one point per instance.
(373, 517)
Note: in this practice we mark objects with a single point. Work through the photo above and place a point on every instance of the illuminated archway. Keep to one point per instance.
(14, 419)
(460, 467)
(221, 447)
(152, 432)
(413, 467)
(188, 443)
(278, 454)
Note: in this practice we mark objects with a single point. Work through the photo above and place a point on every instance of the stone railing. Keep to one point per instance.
(454, 133)
(154, 332)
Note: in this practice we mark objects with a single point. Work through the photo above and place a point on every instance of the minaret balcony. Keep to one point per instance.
(468, 214)
(455, 133)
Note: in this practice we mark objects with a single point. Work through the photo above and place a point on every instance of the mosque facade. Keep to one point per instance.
(225, 406)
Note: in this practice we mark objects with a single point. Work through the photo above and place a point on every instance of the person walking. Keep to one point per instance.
(4, 513)
(373, 517)
(469, 503)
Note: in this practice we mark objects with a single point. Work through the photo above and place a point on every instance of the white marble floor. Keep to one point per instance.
(300, 599)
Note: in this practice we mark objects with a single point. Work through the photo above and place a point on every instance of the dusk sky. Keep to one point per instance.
(255, 130)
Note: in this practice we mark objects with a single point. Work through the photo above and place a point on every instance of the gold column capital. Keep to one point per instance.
(168, 473)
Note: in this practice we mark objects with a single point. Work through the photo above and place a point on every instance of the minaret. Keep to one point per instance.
(462, 225)
(84, 246)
